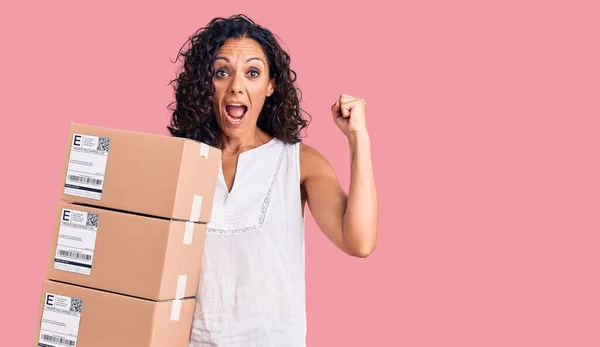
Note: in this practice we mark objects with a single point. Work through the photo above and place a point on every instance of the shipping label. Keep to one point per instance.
(87, 166)
(76, 241)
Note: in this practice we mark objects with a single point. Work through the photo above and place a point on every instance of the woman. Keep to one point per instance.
(236, 92)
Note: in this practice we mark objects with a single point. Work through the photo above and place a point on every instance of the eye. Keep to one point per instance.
(253, 73)
(220, 73)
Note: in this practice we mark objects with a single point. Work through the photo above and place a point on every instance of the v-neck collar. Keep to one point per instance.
(238, 166)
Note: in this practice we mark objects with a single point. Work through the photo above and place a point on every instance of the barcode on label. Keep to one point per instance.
(74, 255)
(87, 180)
(58, 339)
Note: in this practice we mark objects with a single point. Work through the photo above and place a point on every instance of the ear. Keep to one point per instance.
(271, 87)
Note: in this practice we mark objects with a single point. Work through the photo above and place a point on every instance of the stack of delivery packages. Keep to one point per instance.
(128, 239)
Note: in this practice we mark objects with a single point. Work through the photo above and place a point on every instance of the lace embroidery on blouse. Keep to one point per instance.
(263, 210)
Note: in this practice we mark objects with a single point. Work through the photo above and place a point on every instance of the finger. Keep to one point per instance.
(336, 109)
(355, 101)
(346, 98)
(347, 107)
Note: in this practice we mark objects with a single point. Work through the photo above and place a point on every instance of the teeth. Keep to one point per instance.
(234, 120)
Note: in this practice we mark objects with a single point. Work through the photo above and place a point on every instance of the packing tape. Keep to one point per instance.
(189, 233)
(181, 282)
(176, 310)
(204, 150)
(196, 207)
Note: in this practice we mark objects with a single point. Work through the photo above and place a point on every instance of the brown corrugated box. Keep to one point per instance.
(150, 174)
(96, 318)
(128, 239)
(137, 255)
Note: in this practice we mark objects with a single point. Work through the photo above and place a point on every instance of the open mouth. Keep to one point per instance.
(235, 112)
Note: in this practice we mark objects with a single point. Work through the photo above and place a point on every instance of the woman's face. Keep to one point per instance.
(241, 85)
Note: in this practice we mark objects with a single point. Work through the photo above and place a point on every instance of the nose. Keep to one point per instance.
(236, 84)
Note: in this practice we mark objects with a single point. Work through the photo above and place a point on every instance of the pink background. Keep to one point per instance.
(484, 120)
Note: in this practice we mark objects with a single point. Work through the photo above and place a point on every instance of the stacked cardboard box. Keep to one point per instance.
(128, 238)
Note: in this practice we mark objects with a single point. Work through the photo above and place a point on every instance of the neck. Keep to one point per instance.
(238, 144)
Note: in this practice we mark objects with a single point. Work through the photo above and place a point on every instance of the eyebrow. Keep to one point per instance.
(247, 61)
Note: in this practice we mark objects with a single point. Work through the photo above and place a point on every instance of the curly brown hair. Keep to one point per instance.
(193, 115)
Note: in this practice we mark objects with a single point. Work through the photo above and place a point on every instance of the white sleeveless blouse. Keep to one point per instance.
(252, 285)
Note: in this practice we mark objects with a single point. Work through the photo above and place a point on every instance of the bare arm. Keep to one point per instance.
(360, 219)
(348, 220)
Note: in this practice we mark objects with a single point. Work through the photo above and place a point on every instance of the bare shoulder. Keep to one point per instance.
(312, 162)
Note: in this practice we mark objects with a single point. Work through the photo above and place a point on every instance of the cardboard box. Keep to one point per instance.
(141, 256)
(71, 315)
(151, 174)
